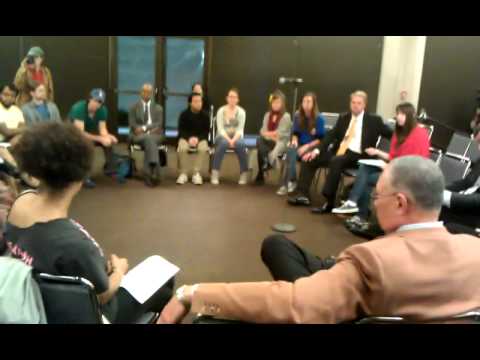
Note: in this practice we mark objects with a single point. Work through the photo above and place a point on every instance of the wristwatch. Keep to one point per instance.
(181, 296)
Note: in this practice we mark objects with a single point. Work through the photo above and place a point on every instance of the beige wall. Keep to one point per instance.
(402, 65)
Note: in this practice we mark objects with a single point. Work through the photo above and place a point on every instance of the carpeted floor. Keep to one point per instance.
(211, 233)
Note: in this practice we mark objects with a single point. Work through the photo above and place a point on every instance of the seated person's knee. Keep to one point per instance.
(271, 244)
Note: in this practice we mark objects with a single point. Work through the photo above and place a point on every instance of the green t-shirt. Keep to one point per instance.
(79, 111)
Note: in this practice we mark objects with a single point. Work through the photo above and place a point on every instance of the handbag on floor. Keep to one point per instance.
(123, 167)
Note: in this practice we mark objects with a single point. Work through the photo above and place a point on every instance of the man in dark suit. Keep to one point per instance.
(341, 148)
(461, 202)
(146, 124)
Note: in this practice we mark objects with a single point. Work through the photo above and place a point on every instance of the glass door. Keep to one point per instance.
(184, 66)
(172, 64)
(136, 65)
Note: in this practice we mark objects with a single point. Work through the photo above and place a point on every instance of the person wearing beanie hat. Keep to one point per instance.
(32, 69)
(90, 116)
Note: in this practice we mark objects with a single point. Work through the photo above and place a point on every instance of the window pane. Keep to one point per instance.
(185, 61)
(136, 61)
(125, 101)
(174, 107)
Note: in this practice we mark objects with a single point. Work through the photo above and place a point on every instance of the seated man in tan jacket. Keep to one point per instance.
(418, 270)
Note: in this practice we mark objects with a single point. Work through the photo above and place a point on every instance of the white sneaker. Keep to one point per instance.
(215, 177)
(182, 179)
(243, 179)
(349, 207)
(282, 191)
(292, 186)
(197, 179)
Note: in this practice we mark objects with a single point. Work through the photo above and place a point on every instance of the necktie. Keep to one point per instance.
(350, 134)
(145, 114)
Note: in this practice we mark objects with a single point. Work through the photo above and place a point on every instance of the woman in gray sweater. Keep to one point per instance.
(230, 127)
(274, 135)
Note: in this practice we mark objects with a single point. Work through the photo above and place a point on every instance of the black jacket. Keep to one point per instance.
(372, 127)
(469, 202)
(191, 124)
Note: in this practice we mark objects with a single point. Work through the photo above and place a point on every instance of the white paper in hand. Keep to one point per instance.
(147, 277)
(373, 162)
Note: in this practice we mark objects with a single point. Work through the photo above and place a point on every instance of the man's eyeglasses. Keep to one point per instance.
(375, 195)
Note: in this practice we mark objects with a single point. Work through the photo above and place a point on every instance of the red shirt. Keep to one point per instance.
(416, 143)
(38, 76)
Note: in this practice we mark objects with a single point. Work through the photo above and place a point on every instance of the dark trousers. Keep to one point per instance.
(287, 261)
(129, 309)
(264, 146)
(109, 162)
(460, 222)
(335, 164)
(149, 142)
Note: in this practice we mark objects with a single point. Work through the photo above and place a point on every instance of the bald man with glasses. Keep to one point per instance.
(418, 271)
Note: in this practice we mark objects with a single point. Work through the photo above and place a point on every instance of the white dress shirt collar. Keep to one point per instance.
(421, 226)
(149, 112)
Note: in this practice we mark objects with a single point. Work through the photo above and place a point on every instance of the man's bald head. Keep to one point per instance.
(147, 92)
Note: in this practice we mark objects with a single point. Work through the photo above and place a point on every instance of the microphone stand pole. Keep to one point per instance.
(285, 227)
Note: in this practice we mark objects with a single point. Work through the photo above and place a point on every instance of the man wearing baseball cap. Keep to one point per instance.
(90, 116)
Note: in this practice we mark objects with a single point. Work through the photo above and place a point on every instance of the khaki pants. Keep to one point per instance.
(201, 156)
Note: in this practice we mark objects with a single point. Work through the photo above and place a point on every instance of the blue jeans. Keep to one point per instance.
(365, 181)
(221, 147)
(291, 173)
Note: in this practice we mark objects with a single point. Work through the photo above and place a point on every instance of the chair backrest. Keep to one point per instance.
(473, 152)
(435, 155)
(330, 120)
(470, 317)
(454, 168)
(459, 145)
(383, 144)
(391, 124)
(429, 129)
(213, 126)
(69, 300)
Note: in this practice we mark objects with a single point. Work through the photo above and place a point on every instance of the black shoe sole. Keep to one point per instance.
(298, 203)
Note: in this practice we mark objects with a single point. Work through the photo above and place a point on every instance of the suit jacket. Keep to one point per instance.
(421, 274)
(372, 127)
(135, 117)
(469, 202)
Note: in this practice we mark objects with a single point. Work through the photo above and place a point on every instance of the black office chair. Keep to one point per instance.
(470, 317)
(330, 120)
(473, 152)
(72, 300)
(430, 129)
(454, 168)
(459, 145)
(383, 144)
(435, 155)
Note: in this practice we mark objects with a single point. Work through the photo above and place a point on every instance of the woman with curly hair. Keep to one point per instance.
(41, 234)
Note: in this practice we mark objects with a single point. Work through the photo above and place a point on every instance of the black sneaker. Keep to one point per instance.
(259, 181)
(89, 183)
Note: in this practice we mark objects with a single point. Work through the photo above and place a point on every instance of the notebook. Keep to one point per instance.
(147, 277)
(373, 162)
